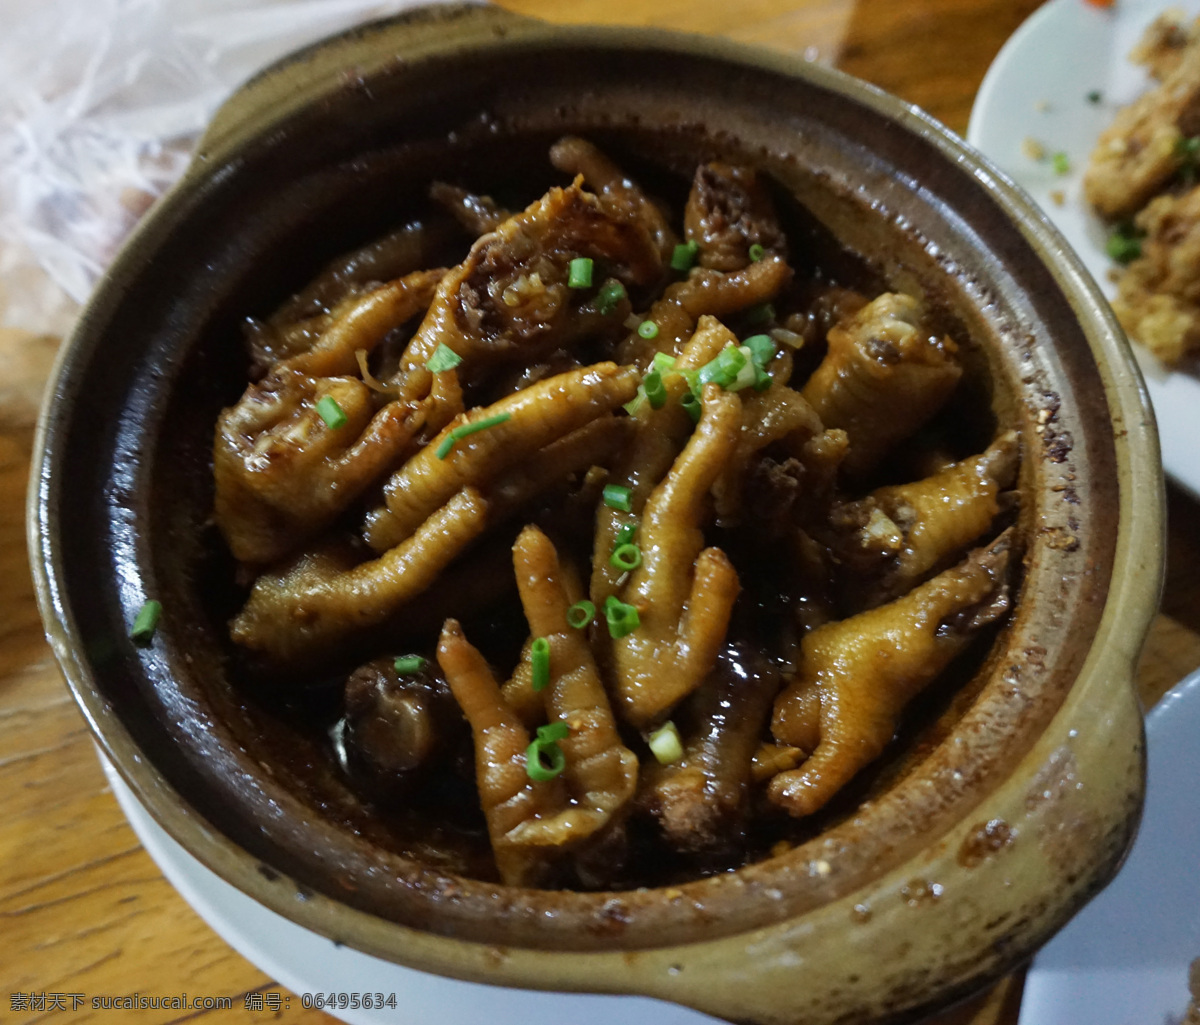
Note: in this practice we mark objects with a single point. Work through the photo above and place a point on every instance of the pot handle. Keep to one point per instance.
(347, 60)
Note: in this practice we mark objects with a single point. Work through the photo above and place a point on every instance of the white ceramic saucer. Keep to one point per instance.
(1124, 959)
(307, 963)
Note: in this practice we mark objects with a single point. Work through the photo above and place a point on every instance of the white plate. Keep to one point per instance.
(1037, 88)
(1124, 959)
(1121, 961)
(307, 963)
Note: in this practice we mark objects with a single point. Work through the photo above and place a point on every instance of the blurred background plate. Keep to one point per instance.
(1041, 87)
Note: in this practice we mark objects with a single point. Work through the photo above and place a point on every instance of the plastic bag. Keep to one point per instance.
(100, 104)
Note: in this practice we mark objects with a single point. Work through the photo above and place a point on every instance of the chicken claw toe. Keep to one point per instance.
(684, 593)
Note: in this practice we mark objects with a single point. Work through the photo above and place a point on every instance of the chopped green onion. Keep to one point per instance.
(145, 622)
(538, 770)
(647, 329)
(634, 404)
(553, 732)
(626, 557)
(579, 272)
(624, 535)
(663, 363)
(748, 375)
(464, 430)
(539, 661)
(409, 664)
(1061, 163)
(1188, 151)
(581, 614)
(443, 358)
(760, 314)
(693, 379)
(481, 425)
(666, 744)
(762, 380)
(652, 387)
(618, 496)
(724, 369)
(712, 372)
(757, 252)
(609, 297)
(691, 403)
(329, 411)
(762, 349)
(683, 256)
(622, 619)
(731, 359)
(1124, 245)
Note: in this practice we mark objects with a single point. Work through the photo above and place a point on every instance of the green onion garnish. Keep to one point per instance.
(683, 256)
(618, 496)
(724, 369)
(626, 557)
(579, 272)
(539, 661)
(1061, 163)
(622, 618)
(329, 411)
(609, 297)
(581, 614)
(762, 349)
(749, 374)
(634, 404)
(663, 363)
(145, 622)
(691, 403)
(647, 329)
(538, 770)
(481, 425)
(652, 385)
(443, 358)
(762, 380)
(1188, 151)
(409, 664)
(464, 430)
(665, 743)
(624, 535)
(757, 252)
(1124, 244)
(553, 732)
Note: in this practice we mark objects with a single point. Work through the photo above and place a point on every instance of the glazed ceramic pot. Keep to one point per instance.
(988, 838)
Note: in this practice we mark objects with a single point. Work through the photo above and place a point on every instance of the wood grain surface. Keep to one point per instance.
(83, 909)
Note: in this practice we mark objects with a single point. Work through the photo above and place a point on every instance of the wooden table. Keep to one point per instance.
(83, 909)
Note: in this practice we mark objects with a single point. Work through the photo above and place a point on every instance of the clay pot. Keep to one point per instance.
(941, 881)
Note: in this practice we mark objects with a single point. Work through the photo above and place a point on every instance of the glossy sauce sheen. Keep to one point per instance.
(714, 818)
